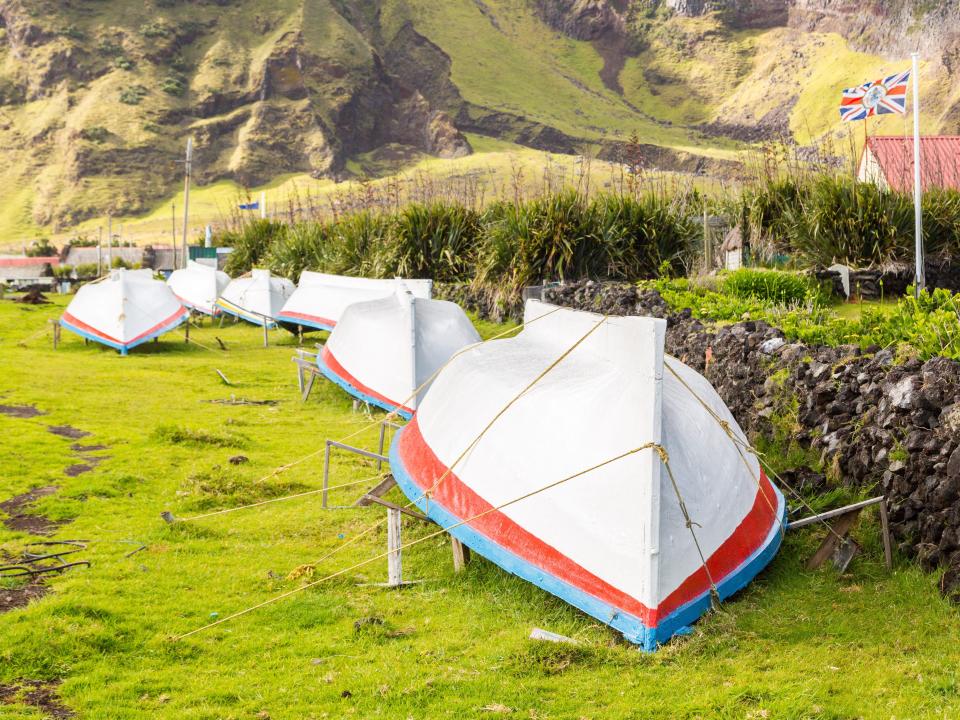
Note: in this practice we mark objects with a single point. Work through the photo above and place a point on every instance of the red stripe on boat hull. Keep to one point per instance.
(460, 500)
(331, 362)
(93, 331)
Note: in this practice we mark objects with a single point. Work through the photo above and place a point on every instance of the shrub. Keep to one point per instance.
(155, 29)
(250, 244)
(926, 326)
(95, 134)
(773, 286)
(133, 94)
(436, 241)
(174, 84)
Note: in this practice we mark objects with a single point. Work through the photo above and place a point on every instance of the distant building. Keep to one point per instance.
(887, 162)
(19, 271)
(159, 258)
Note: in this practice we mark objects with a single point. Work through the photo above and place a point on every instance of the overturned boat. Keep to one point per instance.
(124, 309)
(257, 297)
(198, 287)
(382, 350)
(320, 299)
(606, 476)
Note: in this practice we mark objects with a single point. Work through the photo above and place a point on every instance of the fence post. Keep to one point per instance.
(394, 559)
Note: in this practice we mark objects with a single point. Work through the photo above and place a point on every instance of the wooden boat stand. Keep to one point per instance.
(838, 544)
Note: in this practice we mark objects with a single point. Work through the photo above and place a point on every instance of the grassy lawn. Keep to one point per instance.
(795, 644)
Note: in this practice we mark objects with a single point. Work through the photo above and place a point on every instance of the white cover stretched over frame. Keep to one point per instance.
(199, 287)
(382, 350)
(257, 298)
(612, 541)
(124, 309)
(320, 298)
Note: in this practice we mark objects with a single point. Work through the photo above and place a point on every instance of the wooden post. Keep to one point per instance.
(56, 334)
(461, 555)
(707, 250)
(266, 330)
(885, 528)
(186, 337)
(394, 559)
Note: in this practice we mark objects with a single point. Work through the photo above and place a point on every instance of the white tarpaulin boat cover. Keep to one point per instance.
(320, 299)
(611, 540)
(256, 298)
(382, 350)
(198, 287)
(124, 309)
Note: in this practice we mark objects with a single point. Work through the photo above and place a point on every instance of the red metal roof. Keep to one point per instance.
(939, 161)
(21, 261)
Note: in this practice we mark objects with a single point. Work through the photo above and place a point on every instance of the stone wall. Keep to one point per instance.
(872, 423)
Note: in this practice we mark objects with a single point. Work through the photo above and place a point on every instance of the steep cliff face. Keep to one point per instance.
(99, 95)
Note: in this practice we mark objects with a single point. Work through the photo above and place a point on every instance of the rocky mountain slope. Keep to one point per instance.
(98, 96)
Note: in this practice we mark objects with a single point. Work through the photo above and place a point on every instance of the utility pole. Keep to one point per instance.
(100, 251)
(263, 206)
(109, 243)
(188, 166)
(173, 232)
(920, 280)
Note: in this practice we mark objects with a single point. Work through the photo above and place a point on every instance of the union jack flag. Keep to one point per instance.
(880, 97)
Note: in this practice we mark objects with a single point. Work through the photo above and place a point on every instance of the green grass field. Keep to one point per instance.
(795, 644)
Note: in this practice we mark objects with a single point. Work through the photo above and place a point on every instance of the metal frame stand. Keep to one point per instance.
(838, 544)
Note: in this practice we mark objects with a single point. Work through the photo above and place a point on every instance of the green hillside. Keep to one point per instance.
(97, 97)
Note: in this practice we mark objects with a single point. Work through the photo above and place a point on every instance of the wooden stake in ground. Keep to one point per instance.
(394, 559)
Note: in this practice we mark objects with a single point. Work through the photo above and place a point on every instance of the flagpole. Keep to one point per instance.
(920, 279)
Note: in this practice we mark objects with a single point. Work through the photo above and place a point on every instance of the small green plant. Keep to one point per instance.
(95, 134)
(133, 94)
(123, 63)
(73, 32)
(180, 435)
(155, 29)
(174, 84)
(775, 287)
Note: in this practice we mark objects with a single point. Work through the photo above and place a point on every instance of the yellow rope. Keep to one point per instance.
(279, 499)
(392, 414)
(738, 443)
(449, 470)
(429, 536)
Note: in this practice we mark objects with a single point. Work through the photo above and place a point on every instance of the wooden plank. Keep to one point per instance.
(377, 491)
(308, 388)
(398, 508)
(841, 527)
(394, 558)
(461, 555)
(885, 529)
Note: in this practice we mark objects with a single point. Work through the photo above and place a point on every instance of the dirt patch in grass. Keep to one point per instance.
(67, 431)
(13, 598)
(88, 464)
(21, 521)
(20, 411)
(41, 694)
(33, 296)
(77, 469)
(78, 448)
